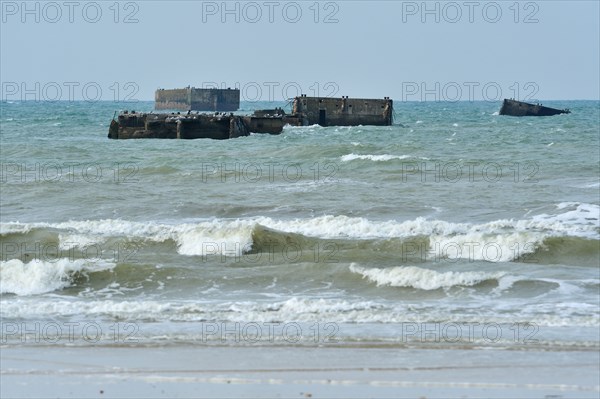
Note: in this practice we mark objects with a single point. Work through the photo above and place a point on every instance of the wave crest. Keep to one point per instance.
(423, 279)
(39, 277)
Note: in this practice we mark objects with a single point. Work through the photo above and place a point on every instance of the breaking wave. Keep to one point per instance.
(39, 277)
(423, 279)
(376, 158)
(575, 228)
(294, 309)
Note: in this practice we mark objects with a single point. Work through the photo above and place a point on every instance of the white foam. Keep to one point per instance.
(481, 246)
(580, 219)
(376, 158)
(292, 309)
(211, 238)
(38, 277)
(203, 238)
(329, 226)
(14, 228)
(308, 127)
(424, 279)
(497, 241)
(304, 309)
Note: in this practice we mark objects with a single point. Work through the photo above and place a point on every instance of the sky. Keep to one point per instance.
(274, 50)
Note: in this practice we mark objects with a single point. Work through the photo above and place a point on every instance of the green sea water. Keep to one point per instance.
(453, 216)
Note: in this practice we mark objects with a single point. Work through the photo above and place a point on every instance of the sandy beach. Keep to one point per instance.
(295, 372)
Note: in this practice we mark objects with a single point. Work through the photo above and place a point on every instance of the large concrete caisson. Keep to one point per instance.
(325, 111)
(520, 108)
(132, 125)
(329, 111)
(195, 99)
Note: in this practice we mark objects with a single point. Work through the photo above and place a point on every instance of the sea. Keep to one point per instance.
(454, 227)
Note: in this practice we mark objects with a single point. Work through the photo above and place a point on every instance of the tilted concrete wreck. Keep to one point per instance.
(194, 99)
(520, 108)
(325, 111)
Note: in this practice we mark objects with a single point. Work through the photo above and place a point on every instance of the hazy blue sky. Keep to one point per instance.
(407, 50)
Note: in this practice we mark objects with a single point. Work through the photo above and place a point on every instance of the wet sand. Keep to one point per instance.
(295, 372)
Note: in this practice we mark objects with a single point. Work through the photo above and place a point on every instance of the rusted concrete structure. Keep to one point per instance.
(195, 99)
(519, 108)
(132, 125)
(325, 111)
(332, 111)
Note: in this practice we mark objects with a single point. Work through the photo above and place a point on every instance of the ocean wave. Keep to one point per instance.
(203, 238)
(39, 277)
(14, 228)
(301, 309)
(376, 158)
(495, 241)
(574, 215)
(423, 279)
(567, 250)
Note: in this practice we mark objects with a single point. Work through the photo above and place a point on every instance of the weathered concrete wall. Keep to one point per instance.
(328, 111)
(191, 126)
(203, 127)
(215, 99)
(195, 99)
(324, 111)
(269, 112)
(519, 108)
(172, 99)
(264, 124)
